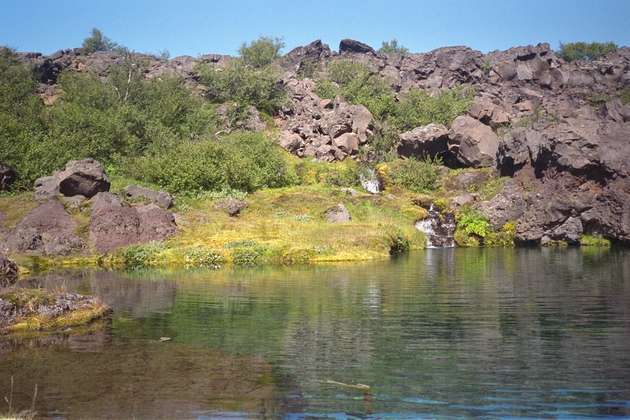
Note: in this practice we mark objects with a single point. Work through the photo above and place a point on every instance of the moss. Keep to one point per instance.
(594, 241)
(502, 238)
(465, 240)
(13, 208)
(555, 244)
(30, 299)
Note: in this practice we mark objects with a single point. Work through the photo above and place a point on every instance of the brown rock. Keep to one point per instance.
(472, 142)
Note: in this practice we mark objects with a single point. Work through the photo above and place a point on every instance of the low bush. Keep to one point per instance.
(240, 161)
(249, 256)
(202, 257)
(415, 175)
(595, 241)
(572, 51)
(417, 107)
(472, 222)
(246, 85)
(392, 47)
(399, 244)
(136, 257)
(261, 52)
(624, 95)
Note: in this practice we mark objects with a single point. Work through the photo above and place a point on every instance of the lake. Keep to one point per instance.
(446, 333)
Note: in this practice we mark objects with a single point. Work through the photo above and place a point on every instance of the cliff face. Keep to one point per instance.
(559, 130)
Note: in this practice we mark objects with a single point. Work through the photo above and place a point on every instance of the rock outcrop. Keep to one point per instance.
(8, 272)
(47, 229)
(473, 143)
(85, 177)
(428, 140)
(161, 198)
(115, 223)
(337, 214)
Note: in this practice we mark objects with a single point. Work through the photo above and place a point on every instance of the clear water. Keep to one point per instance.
(445, 333)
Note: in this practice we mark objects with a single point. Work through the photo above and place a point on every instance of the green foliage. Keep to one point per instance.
(416, 175)
(382, 145)
(136, 257)
(243, 84)
(98, 42)
(398, 244)
(488, 189)
(472, 223)
(240, 161)
(203, 258)
(249, 256)
(586, 51)
(595, 241)
(418, 107)
(503, 238)
(624, 95)
(392, 47)
(356, 83)
(261, 52)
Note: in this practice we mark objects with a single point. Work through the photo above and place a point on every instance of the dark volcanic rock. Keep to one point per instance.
(428, 140)
(8, 272)
(7, 177)
(115, 224)
(352, 46)
(48, 229)
(472, 142)
(161, 198)
(85, 177)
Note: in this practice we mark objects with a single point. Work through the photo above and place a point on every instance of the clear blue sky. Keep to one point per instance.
(195, 27)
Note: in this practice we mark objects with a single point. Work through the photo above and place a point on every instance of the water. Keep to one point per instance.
(446, 333)
(438, 228)
(369, 181)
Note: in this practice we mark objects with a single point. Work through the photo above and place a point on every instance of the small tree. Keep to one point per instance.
(392, 47)
(98, 42)
(572, 51)
(261, 52)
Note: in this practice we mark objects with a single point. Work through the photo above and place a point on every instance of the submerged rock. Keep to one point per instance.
(24, 310)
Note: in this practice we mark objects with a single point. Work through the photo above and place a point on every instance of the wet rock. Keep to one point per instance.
(161, 198)
(232, 206)
(48, 229)
(472, 142)
(427, 140)
(8, 176)
(337, 214)
(8, 272)
(115, 224)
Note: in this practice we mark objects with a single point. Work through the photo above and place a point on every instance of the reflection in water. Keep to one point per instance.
(444, 332)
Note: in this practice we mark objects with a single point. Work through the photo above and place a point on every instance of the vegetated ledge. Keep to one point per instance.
(37, 310)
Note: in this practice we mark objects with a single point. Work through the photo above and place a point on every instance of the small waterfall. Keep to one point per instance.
(438, 228)
(370, 182)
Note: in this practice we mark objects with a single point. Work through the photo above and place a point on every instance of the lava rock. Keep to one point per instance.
(472, 142)
(427, 140)
(232, 206)
(8, 272)
(337, 214)
(355, 47)
(85, 177)
(161, 198)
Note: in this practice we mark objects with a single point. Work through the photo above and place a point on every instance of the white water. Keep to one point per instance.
(437, 230)
(369, 182)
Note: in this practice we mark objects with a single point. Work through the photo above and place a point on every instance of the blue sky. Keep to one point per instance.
(195, 27)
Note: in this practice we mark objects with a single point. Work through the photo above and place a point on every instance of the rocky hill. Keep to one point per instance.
(559, 130)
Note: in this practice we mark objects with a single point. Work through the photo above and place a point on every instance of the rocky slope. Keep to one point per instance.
(557, 129)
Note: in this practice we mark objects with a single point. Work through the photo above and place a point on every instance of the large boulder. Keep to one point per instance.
(115, 224)
(8, 175)
(85, 177)
(232, 206)
(355, 47)
(337, 214)
(8, 272)
(301, 57)
(47, 229)
(472, 142)
(161, 198)
(427, 140)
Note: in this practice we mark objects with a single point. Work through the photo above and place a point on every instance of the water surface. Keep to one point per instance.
(450, 333)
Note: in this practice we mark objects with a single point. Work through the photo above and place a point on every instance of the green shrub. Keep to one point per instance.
(246, 85)
(418, 107)
(399, 244)
(240, 161)
(98, 42)
(502, 238)
(261, 52)
(416, 175)
(472, 222)
(585, 51)
(624, 95)
(392, 47)
(202, 257)
(136, 257)
(357, 84)
(248, 257)
(595, 241)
